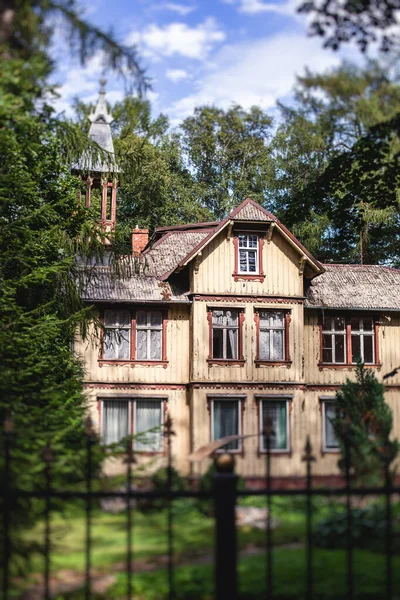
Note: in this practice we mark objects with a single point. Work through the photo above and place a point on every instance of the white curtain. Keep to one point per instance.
(148, 425)
(330, 437)
(115, 420)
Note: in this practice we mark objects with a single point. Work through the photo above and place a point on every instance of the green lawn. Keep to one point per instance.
(194, 541)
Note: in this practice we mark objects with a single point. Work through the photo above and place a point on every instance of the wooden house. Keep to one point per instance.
(222, 324)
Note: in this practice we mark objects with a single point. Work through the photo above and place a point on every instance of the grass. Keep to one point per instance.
(194, 537)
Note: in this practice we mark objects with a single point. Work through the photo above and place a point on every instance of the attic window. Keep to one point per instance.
(248, 257)
(248, 253)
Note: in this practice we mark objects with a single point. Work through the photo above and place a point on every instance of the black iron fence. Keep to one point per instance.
(224, 494)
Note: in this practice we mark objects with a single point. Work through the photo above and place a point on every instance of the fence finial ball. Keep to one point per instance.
(224, 463)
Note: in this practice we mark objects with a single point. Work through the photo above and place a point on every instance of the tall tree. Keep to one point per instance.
(228, 155)
(362, 21)
(44, 228)
(332, 111)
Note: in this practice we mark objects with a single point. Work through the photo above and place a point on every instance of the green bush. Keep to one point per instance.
(367, 528)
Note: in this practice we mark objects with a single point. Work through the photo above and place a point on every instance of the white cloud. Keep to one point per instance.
(176, 75)
(252, 7)
(178, 39)
(255, 73)
(180, 9)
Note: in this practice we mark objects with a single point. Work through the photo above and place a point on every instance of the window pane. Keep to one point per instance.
(141, 344)
(218, 343)
(252, 261)
(218, 318)
(231, 343)
(110, 318)
(141, 318)
(355, 348)
(264, 345)
(156, 318)
(243, 260)
(115, 420)
(278, 319)
(148, 417)
(339, 348)
(355, 323)
(155, 344)
(278, 344)
(232, 317)
(330, 437)
(277, 413)
(242, 241)
(327, 348)
(327, 324)
(265, 318)
(368, 324)
(122, 339)
(226, 421)
(110, 346)
(252, 241)
(339, 323)
(368, 348)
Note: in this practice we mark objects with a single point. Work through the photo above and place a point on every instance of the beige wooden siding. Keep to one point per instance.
(204, 371)
(177, 408)
(214, 272)
(305, 419)
(176, 371)
(389, 344)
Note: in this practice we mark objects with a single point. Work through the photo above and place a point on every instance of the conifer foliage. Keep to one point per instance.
(363, 424)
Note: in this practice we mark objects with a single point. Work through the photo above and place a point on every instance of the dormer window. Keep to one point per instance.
(248, 257)
(248, 253)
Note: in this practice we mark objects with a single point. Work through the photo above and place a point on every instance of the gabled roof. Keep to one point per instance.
(248, 211)
(355, 286)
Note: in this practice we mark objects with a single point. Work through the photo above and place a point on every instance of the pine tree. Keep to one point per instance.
(363, 424)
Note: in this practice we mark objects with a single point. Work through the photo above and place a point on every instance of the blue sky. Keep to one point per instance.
(196, 52)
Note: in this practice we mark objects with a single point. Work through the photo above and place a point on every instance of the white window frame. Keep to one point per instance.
(225, 329)
(266, 399)
(361, 333)
(148, 328)
(118, 328)
(247, 249)
(326, 448)
(132, 406)
(239, 400)
(333, 332)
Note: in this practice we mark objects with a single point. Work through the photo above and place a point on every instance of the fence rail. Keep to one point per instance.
(224, 494)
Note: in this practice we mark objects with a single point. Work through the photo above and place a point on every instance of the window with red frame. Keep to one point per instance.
(225, 334)
(346, 340)
(137, 335)
(272, 335)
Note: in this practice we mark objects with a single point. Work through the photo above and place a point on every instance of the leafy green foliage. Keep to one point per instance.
(363, 424)
(340, 22)
(367, 528)
(336, 163)
(227, 153)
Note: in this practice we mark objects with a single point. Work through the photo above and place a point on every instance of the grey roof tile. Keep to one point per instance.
(356, 286)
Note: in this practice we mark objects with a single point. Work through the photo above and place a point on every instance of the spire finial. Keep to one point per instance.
(103, 82)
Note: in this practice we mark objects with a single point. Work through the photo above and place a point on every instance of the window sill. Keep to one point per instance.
(248, 277)
(330, 451)
(346, 366)
(225, 362)
(273, 363)
(276, 452)
(132, 363)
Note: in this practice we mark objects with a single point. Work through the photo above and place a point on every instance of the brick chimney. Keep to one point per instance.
(140, 237)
